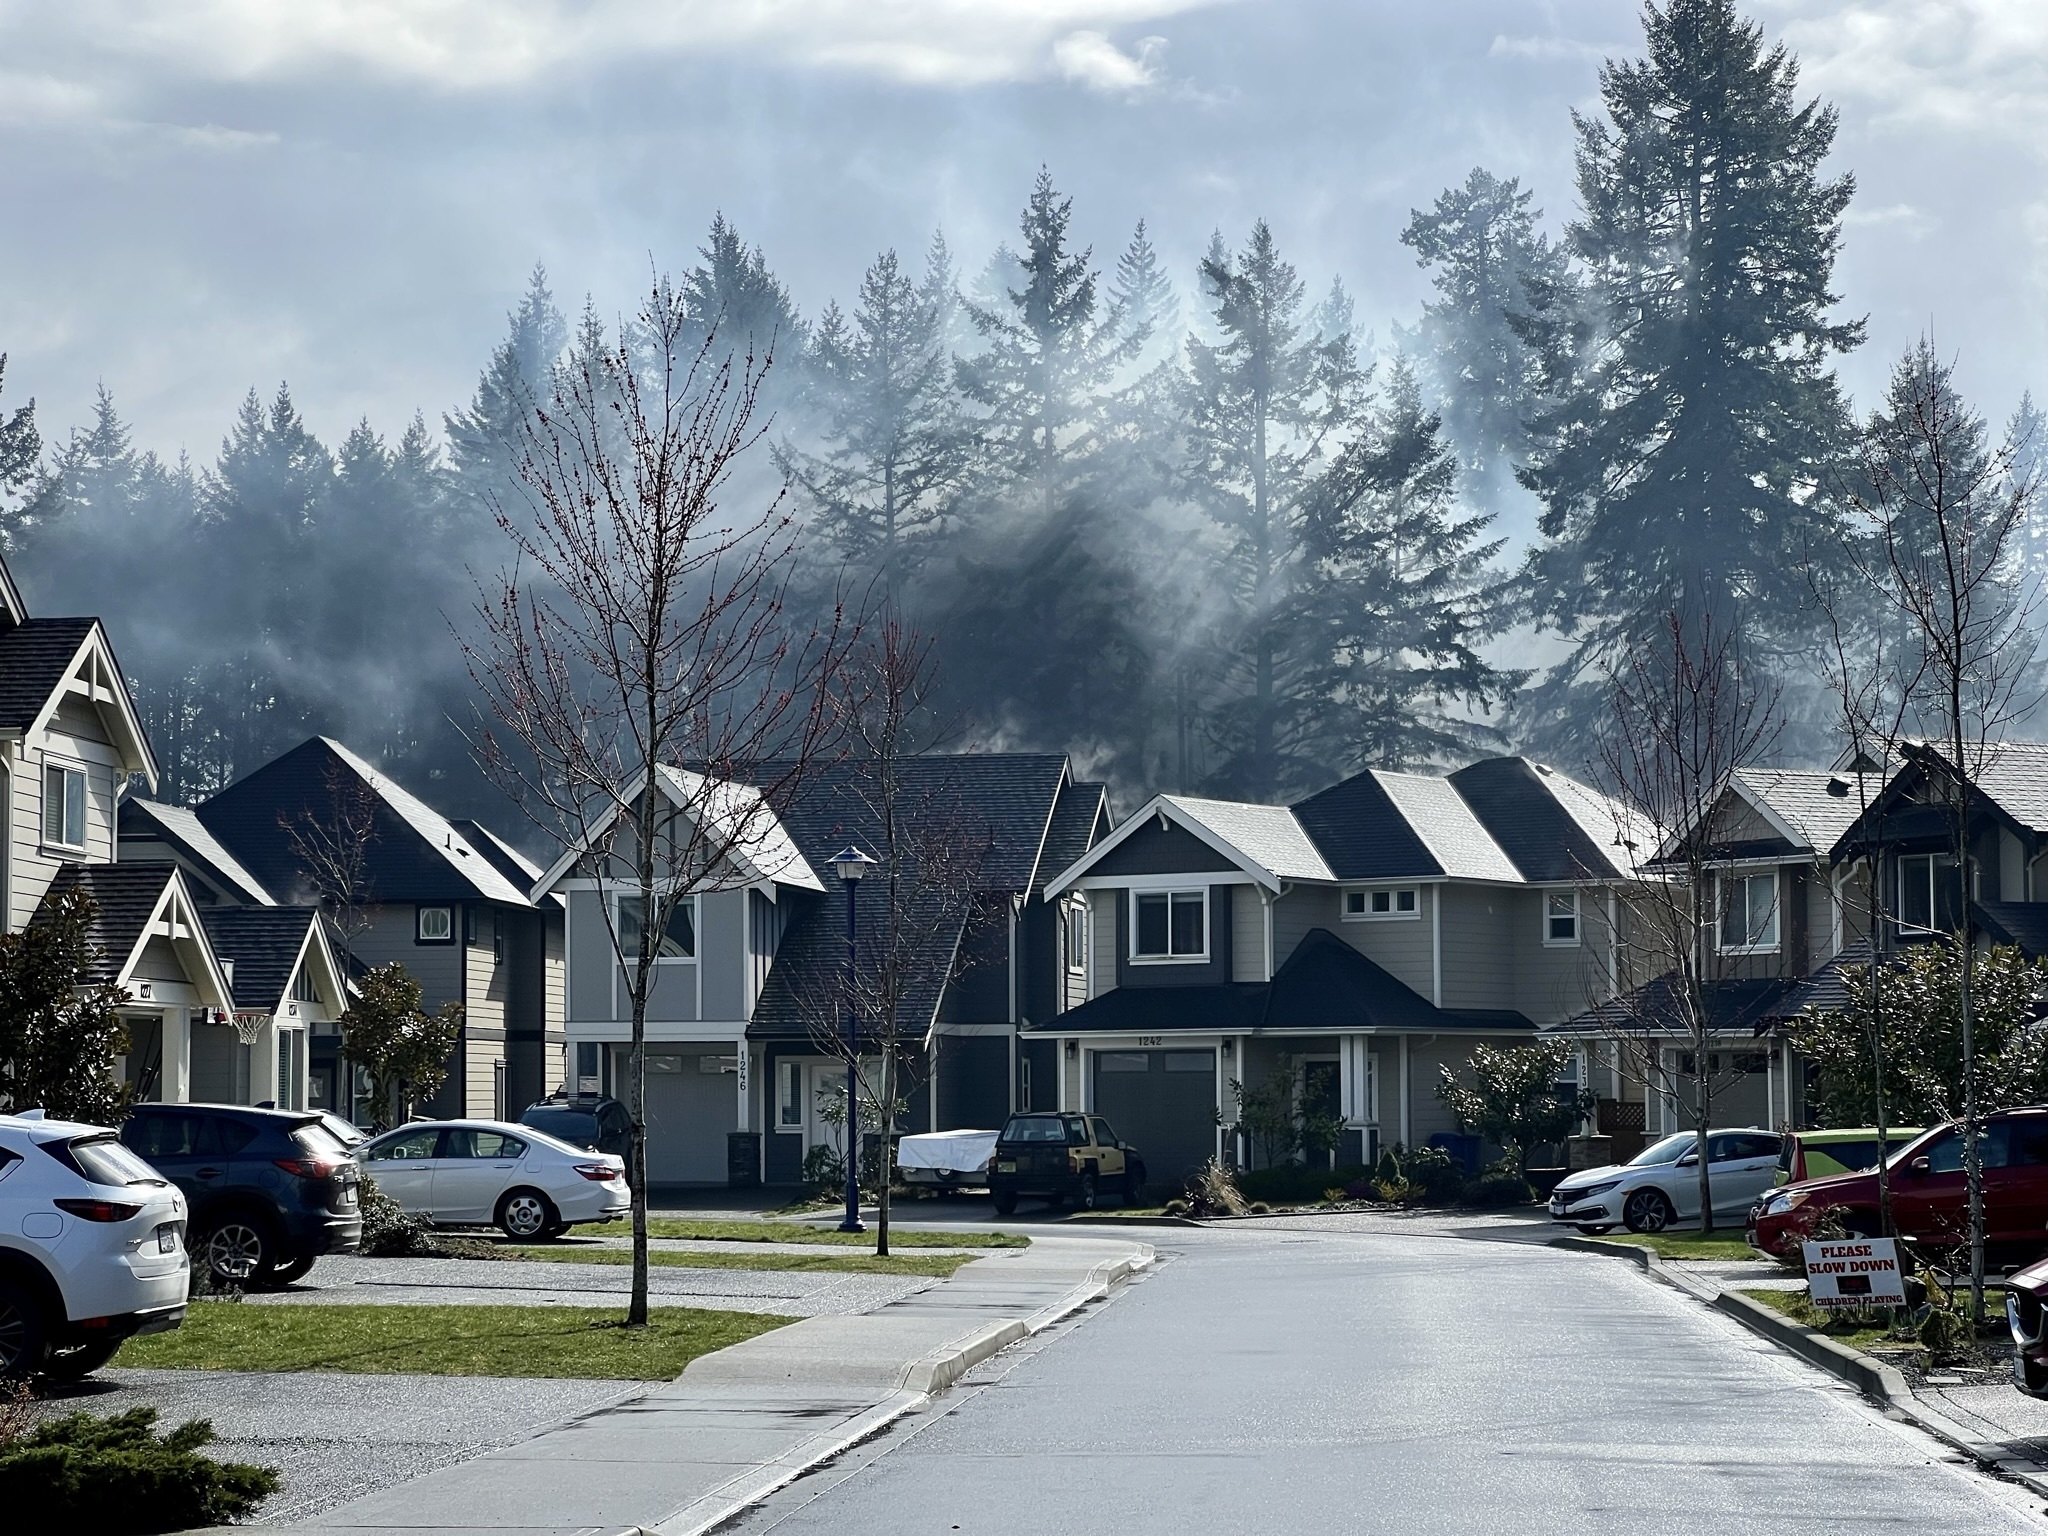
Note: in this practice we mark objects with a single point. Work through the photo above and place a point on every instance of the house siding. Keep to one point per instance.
(1404, 948)
(1554, 982)
(76, 738)
(722, 953)
(589, 967)
(1298, 910)
(1247, 934)
(436, 967)
(1103, 907)
(1153, 852)
(1479, 928)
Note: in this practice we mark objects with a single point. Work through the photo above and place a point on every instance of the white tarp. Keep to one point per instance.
(947, 1151)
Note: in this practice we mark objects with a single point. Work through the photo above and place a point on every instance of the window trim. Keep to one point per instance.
(69, 767)
(419, 922)
(1393, 914)
(789, 1071)
(1577, 939)
(1169, 958)
(619, 898)
(1729, 878)
(1077, 938)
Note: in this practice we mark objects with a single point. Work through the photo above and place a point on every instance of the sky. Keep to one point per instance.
(348, 195)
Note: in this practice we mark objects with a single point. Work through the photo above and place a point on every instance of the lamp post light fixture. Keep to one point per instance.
(850, 864)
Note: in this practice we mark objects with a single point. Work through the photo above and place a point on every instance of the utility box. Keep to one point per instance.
(743, 1159)
(1582, 1152)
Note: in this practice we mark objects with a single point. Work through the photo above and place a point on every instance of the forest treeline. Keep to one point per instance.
(1203, 533)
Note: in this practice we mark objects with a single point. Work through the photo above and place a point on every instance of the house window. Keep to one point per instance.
(64, 805)
(1366, 906)
(678, 941)
(1561, 917)
(1170, 925)
(436, 925)
(789, 1095)
(1749, 912)
(304, 988)
(1077, 938)
(588, 1073)
(1930, 894)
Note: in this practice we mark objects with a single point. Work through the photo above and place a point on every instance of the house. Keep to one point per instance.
(1371, 933)
(448, 898)
(71, 745)
(736, 1076)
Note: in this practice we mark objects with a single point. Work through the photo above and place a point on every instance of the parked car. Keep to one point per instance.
(475, 1173)
(582, 1120)
(1070, 1159)
(1822, 1154)
(1930, 1198)
(271, 1190)
(2026, 1314)
(92, 1248)
(1660, 1185)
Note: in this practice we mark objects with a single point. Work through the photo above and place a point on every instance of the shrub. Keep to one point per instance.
(389, 1230)
(1211, 1191)
(118, 1476)
(1292, 1183)
(1395, 1191)
(1176, 1207)
(1388, 1169)
(1436, 1172)
(1499, 1186)
(824, 1170)
(1334, 1197)
(1945, 1332)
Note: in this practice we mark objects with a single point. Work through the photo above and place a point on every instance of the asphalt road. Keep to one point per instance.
(1319, 1380)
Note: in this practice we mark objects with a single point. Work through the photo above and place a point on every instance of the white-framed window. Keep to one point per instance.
(1168, 926)
(434, 925)
(789, 1095)
(1077, 937)
(63, 805)
(1930, 895)
(1749, 913)
(678, 941)
(305, 989)
(1561, 918)
(1392, 903)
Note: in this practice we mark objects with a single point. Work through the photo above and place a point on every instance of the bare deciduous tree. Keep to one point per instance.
(637, 659)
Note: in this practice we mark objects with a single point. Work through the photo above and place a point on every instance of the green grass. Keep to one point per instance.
(797, 1232)
(1687, 1245)
(940, 1264)
(442, 1341)
(1794, 1305)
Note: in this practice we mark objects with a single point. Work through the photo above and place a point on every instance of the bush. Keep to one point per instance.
(389, 1230)
(1436, 1172)
(1388, 1169)
(1292, 1183)
(1176, 1207)
(1211, 1191)
(1945, 1332)
(1499, 1187)
(1395, 1191)
(118, 1476)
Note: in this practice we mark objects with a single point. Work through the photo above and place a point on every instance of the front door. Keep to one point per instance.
(824, 1091)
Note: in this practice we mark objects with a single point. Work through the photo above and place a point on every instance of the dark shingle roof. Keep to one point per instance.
(1362, 834)
(126, 895)
(1229, 1006)
(1547, 824)
(1745, 1007)
(1079, 821)
(264, 943)
(149, 821)
(33, 659)
(2024, 923)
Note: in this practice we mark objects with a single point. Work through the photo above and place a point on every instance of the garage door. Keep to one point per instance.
(689, 1110)
(1164, 1103)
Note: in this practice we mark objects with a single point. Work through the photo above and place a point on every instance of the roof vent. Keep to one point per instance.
(1164, 824)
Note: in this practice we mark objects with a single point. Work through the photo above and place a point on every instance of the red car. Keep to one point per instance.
(1929, 1198)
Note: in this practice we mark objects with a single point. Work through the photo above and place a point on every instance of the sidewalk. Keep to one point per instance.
(683, 1457)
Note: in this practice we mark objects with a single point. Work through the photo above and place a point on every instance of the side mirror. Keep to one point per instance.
(1690, 1160)
(1917, 1165)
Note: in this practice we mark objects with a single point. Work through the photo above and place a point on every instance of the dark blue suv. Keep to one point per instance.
(270, 1190)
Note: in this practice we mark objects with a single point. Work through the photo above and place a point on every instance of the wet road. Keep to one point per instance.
(1316, 1380)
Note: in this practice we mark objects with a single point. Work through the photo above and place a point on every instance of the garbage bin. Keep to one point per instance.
(742, 1159)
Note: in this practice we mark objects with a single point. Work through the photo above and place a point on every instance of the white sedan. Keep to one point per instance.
(473, 1173)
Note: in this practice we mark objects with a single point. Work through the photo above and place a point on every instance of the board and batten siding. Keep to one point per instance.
(1247, 934)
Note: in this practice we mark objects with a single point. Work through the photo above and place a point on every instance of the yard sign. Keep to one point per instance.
(1859, 1272)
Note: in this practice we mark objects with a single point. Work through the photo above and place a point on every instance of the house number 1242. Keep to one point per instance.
(1151, 1040)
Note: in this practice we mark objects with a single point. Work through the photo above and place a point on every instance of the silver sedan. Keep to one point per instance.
(473, 1173)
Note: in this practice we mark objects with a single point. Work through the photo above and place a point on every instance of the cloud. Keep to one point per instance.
(1505, 47)
(1091, 59)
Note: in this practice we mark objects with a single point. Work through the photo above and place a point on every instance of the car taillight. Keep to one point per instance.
(310, 1167)
(599, 1173)
(98, 1210)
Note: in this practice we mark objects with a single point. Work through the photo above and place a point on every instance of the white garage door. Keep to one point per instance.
(691, 1104)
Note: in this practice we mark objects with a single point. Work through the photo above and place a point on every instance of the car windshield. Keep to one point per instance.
(1046, 1128)
(315, 1137)
(103, 1160)
(1669, 1150)
(575, 1125)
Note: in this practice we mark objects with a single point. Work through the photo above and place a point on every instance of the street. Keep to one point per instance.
(1286, 1378)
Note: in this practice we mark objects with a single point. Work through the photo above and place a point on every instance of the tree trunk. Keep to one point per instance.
(888, 1128)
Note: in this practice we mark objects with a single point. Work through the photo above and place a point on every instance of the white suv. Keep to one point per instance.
(92, 1247)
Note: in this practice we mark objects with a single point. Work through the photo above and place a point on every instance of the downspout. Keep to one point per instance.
(1436, 966)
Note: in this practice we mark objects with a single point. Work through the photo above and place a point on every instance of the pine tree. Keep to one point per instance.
(894, 450)
(1678, 467)
(486, 440)
(1405, 594)
(1144, 294)
(1262, 405)
(2026, 446)
(1490, 262)
(21, 446)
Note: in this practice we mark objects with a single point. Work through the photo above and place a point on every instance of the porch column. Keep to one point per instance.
(1405, 1141)
(743, 1117)
(176, 1083)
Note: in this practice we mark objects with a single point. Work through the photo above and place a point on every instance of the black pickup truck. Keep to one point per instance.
(1066, 1158)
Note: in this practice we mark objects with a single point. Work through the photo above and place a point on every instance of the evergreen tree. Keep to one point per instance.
(1405, 596)
(2026, 446)
(1490, 261)
(1263, 403)
(894, 449)
(1697, 414)
(1144, 294)
(486, 440)
(21, 446)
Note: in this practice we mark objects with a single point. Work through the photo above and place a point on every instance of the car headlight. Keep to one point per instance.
(1573, 1196)
(1778, 1205)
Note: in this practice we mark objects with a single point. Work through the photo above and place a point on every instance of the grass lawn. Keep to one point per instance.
(442, 1341)
(1793, 1304)
(941, 1264)
(797, 1232)
(1687, 1245)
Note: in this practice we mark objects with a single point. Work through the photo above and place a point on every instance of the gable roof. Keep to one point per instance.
(1265, 841)
(134, 901)
(13, 610)
(1552, 827)
(266, 945)
(1080, 818)
(415, 853)
(43, 662)
(176, 826)
(507, 860)
(1456, 838)
(1797, 804)
(1362, 833)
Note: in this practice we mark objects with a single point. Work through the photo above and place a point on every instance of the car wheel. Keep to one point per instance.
(1596, 1231)
(236, 1249)
(1084, 1193)
(289, 1271)
(21, 1330)
(526, 1214)
(79, 1361)
(1006, 1202)
(1648, 1210)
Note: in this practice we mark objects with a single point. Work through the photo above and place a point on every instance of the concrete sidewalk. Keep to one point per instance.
(684, 1456)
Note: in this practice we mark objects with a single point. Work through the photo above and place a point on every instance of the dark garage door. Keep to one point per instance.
(1163, 1103)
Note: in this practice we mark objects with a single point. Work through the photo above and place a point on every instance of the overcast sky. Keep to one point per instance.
(348, 194)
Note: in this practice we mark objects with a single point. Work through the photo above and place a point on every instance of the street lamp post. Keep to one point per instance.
(851, 864)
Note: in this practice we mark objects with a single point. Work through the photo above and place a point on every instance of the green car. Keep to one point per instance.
(1822, 1154)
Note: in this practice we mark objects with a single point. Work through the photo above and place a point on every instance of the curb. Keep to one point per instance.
(1876, 1380)
(921, 1381)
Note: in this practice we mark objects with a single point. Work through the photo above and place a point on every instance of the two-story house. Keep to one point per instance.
(71, 744)
(1373, 933)
(738, 1080)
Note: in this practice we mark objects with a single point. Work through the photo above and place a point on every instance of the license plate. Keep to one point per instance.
(1006, 1167)
(166, 1240)
(348, 1194)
